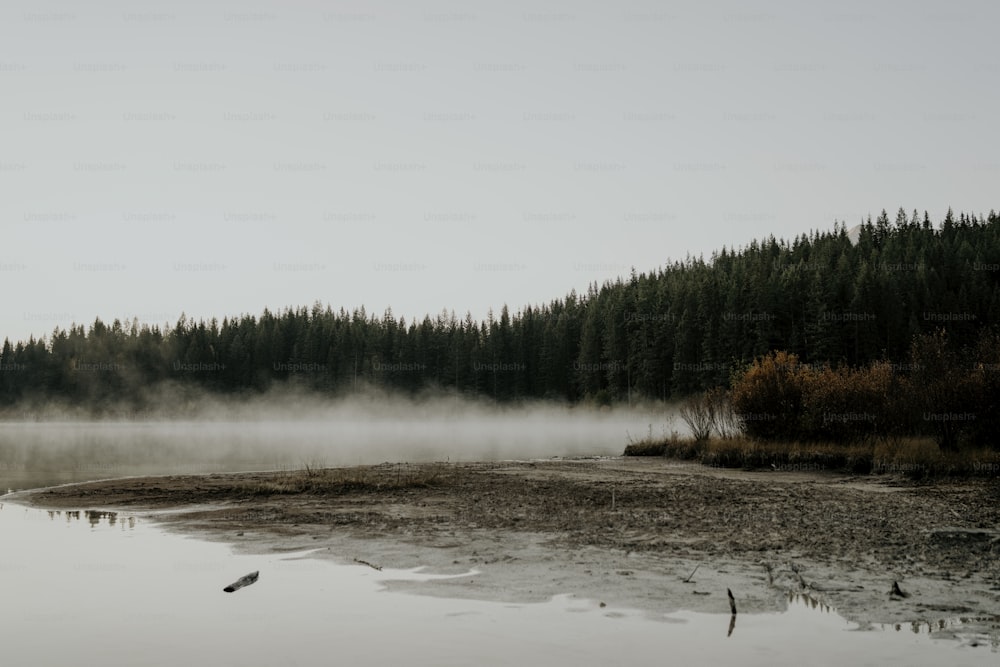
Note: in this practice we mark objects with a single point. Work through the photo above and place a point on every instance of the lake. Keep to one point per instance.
(115, 588)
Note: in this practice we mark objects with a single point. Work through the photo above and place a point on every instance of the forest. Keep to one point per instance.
(687, 326)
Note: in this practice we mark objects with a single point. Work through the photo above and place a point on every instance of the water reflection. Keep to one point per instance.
(810, 600)
(952, 623)
(79, 569)
(94, 517)
(794, 599)
(921, 627)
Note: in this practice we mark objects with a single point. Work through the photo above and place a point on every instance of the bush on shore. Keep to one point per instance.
(937, 414)
(916, 458)
(949, 395)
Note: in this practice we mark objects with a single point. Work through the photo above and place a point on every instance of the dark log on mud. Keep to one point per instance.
(242, 581)
(364, 562)
(836, 587)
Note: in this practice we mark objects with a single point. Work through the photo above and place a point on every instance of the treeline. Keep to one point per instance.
(687, 326)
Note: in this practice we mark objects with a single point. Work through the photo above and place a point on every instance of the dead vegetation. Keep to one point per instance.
(916, 458)
(319, 481)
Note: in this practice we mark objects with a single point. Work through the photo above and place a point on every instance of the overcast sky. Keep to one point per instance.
(220, 158)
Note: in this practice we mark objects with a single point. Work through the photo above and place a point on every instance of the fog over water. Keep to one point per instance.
(288, 429)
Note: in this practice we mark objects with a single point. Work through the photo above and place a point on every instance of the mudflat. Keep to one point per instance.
(644, 533)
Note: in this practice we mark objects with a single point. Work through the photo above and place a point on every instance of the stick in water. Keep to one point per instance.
(242, 581)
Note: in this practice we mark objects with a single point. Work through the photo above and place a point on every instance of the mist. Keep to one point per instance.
(290, 429)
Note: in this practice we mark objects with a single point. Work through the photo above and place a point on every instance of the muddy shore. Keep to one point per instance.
(626, 532)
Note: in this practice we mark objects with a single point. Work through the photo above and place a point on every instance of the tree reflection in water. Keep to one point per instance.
(95, 517)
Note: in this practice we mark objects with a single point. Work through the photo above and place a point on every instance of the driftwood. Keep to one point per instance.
(364, 562)
(242, 581)
(836, 587)
(897, 591)
(732, 608)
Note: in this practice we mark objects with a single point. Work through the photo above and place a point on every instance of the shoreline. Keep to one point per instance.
(625, 532)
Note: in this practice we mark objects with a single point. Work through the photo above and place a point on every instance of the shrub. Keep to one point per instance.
(725, 422)
(768, 396)
(697, 413)
(849, 404)
(984, 392)
(711, 411)
(947, 394)
(942, 390)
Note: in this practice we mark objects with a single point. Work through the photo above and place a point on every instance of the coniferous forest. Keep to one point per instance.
(665, 334)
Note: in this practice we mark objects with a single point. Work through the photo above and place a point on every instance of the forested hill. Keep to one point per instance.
(663, 334)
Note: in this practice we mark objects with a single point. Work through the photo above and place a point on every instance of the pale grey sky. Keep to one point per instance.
(220, 158)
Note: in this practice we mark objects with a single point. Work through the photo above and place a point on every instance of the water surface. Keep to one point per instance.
(116, 589)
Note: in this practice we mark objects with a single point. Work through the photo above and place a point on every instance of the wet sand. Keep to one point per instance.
(626, 532)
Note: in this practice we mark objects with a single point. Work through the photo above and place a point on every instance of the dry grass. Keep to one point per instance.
(914, 457)
(312, 480)
(921, 457)
(672, 446)
(752, 454)
(646, 447)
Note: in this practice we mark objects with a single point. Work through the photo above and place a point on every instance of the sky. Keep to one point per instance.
(219, 158)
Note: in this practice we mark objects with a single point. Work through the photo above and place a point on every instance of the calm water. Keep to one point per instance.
(115, 589)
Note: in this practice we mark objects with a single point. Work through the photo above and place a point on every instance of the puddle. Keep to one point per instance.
(115, 589)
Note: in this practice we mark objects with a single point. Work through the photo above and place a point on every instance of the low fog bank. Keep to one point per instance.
(290, 429)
